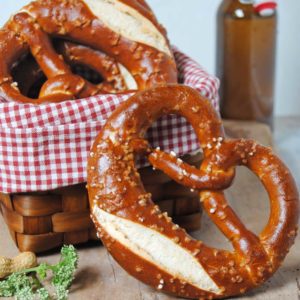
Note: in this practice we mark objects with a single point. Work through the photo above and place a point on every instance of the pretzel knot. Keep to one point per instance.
(120, 40)
(145, 242)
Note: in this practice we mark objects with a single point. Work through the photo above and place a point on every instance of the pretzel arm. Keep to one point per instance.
(40, 45)
(182, 172)
(246, 244)
(188, 175)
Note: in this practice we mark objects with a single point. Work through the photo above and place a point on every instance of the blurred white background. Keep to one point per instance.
(192, 27)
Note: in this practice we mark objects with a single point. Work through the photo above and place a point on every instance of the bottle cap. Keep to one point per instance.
(265, 8)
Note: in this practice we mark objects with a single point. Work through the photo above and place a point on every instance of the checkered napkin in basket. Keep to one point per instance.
(43, 147)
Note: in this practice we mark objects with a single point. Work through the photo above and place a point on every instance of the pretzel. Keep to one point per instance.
(145, 241)
(121, 34)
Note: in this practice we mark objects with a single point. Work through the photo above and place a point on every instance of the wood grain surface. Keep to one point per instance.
(99, 277)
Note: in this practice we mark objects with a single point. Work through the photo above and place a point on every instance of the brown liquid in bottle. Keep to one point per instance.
(246, 61)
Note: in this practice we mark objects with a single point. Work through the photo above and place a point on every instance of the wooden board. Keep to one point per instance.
(99, 277)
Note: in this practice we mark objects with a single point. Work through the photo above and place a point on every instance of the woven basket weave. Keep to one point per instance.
(42, 221)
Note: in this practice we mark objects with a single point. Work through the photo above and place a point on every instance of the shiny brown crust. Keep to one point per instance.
(33, 28)
(114, 186)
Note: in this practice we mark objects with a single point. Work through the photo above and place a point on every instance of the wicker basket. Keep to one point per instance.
(42, 221)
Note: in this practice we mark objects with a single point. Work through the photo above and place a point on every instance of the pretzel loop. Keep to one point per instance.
(145, 241)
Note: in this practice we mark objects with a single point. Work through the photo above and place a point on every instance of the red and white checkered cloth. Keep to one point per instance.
(43, 147)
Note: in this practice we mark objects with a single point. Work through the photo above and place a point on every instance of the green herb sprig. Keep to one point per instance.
(27, 284)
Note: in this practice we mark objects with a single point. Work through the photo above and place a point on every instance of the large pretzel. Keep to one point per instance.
(119, 37)
(145, 242)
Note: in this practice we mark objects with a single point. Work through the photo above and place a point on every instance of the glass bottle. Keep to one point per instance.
(246, 60)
